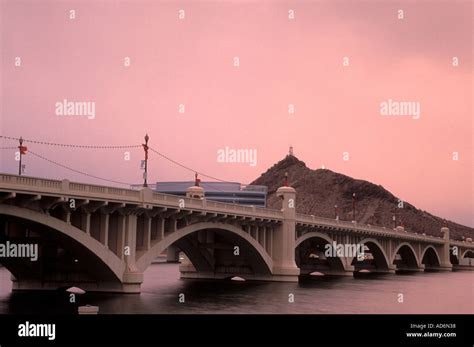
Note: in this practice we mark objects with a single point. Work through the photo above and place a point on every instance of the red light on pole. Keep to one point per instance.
(196, 180)
(23, 150)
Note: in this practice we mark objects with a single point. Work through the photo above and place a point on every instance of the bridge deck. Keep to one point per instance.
(149, 199)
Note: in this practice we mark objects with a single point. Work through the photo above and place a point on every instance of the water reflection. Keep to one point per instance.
(446, 292)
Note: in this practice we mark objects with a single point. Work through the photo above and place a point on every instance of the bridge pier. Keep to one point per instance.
(19, 285)
(438, 268)
(445, 261)
(172, 254)
(347, 270)
(420, 268)
(338, 273)
(391, 270)
(132, 277)
(131, 282)
(283, 241)
(459, 267)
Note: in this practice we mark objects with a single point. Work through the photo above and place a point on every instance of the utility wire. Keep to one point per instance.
(186, 167)
(71, 145)
(106, 147)
(77, 171)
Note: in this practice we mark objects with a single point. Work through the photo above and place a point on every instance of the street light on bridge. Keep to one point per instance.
(145, 148)
(23, 150)
(353, 207)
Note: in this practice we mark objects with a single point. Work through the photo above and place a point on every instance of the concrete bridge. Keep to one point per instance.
(104, 238)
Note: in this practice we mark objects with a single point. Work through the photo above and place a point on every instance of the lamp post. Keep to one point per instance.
(196, 180)
(354, 206)
(394, 221)
(336, 215)
(145, 148)
(21, 152)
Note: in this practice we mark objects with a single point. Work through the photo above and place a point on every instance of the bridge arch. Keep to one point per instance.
(145, 259)
(378, 252)
(467, 252)
(325, 265)
(313, 234)
(407, 252)
(107, 258)
(430, 255)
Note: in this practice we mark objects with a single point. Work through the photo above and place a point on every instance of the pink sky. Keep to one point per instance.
(282, 62)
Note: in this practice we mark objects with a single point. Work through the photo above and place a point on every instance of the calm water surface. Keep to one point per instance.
(444, 292)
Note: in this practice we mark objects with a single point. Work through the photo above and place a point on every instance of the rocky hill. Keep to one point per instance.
(319, 190)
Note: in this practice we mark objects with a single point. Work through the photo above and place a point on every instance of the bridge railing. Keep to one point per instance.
(27, 183)
(214, 206)
(49, 186)
(43, 185)
(96, 189)
(22, 181)
(250, 210)
(310, 219)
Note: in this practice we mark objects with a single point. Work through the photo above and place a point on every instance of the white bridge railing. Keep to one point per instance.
(73, 189)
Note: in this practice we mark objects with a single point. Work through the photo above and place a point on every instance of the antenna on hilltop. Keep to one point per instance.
(290, 153)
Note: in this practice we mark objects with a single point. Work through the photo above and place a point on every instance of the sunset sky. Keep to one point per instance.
(283, 61)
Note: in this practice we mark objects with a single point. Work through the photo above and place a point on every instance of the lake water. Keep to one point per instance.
(442, 292)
